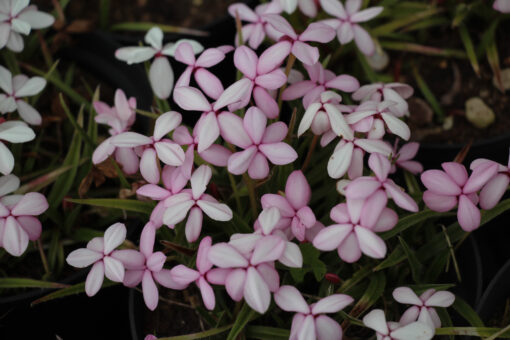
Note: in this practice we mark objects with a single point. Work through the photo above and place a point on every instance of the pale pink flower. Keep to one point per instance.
(207, 81)
(196, 202)
(192, 99)
(451, 187)
(161, 75)
(120, 117)
(376, 320)
(402, 158)
(347, 23)
(396, 92)
(355, 231)
(423, 306)
(16, 18)
(502, 5)
(291, 42)
(320, 80)
(366, 187)
(101, 254)
(259, 143)
(8, 184)
(263, 74)
(254, 32)
(495, 188)
(309, 322)
(156, 148)
(13, 132)
(15, 89)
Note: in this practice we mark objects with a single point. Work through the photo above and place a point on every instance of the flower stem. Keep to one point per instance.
(235, 191)
(290, 63)
(308, 158)
(251, 193)
(43, 257)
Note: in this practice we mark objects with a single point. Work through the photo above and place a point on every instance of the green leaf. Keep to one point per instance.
(416, 266)
(357, 277)
(427, 93)
(475, 331)
(117, 203)
(245, 315)
(411, 220)
(422, 49)
(70, 290)
(200, 335)
(311, 263)
(13, 282)
(267, 333)
(470, 50)
(392, 26)
(393, 259)
(373, 292)
(465, 310)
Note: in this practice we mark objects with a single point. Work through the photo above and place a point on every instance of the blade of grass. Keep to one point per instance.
(117, 203)
(427, 93)
(104, 13)
(13, 282)
(493, 59)
(470, 50)
(392, 26)
(72, 120)
(422, 49)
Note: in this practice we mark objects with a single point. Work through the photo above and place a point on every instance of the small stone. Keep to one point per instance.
(484, 93)
(478, 113)
(505, 79)
(448, 123)
(379, 60)
(420, 112)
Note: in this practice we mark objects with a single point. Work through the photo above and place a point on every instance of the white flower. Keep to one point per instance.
(14, 132)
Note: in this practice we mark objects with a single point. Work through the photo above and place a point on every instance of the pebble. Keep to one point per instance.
(420, 112)
(478, 113)
(505, 78)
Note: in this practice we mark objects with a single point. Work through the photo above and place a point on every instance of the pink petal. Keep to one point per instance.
(133, 277)
(234, 284)
(456, 171)
(440, 299)
(493, 191)
(94, 279)
(332, 304)
(199, 180)
(216, 211)
(305, 53)
(370, 244)
(387, 220)
(150, 291)
(130, 140)
(234, 93)
(327, 328)
(270, 276)
(376, 320)
(161, 77)
(439, 182)
(340, 161)
(267, 249)
(440, 203)
(338, 123)
(373, 208)
(31, 226)
(245, 61)
(298, 90)
(165, 278)
(32, 204)
(165, 123)
(257, 35)
(334, 8)
(363, 40)
(272, 80)
(290, 299)
(191, 99)
(265, 102)
(366, 14)
(273, 200)
(379, 165)
(307, 330)
(184, 53)
(279, 153)
(212, 56)
(113, 269)
(194, 224)
(273, 57)
(349, 250)
(203, 263)
(208, 131)
(254, 124)
(410, 315)
(224, 255)
(344, 83)
(362, 187)
(345, 33)
(331, 237)
(153, 191)
(183, 275)
(232, 130)
(130, 258)
(400, 198)
(177, 212)
(479, 177)
(239, 162)
(245, 13)
(218, 276)
(149, 166)
(297, 190)
(207, 293)
(256, 293)
(413, 331)
(128, 159)
(319, 32)
(396, 126)
(259, 168)
(113, 237)
(81, 258)
(209, 83)
(102, 152)
(468, 214)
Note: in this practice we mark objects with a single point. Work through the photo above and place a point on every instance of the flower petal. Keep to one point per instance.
(290, 299)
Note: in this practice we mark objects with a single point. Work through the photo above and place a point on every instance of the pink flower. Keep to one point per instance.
(263, 74)
(376, 320)
(403, 158)
(495, 188)
(16, 88)
(259, 143)
(17, 18)
(357, 221)
(207, 81)
(17, 222)
(146, 267)
(502, 5)
(452, 186)
(196, 202)
(120, 118)
(307, 7)
(396, 92)
(192, 99)
(255, 32)
(309, 322)
(294, 209)
(155, 148)
(320, 80)
(346, 24)
(365, 187)
(291, 42)
(13, 132)
(161, 75)
(8, 184)
(101, 254)
(423, 309)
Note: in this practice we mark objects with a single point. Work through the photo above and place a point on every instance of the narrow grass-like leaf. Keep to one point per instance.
(412, 220)
(147, 114)
(358, 276)
(267, 333)
(465, 310)
(474, 331)
(71, 290)
(245, 315)
(13, 282)
(493, 59)
(395, 257)
(369, 72)
(427, 93)
(414, 263)
(117, 203)
(372, 294)
(104, 12)
(392, 26)
(422, 49)
(72, 120)
(200, 335)
(145, 26)
(470, 50)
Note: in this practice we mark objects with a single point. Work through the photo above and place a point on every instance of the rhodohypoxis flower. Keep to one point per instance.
(347, 22)
(293, 208)
(13, 132)
(259, 143)
(252, 272)
(207, 81)
(18, 223)
(376, 320)
(16, 88)
(8, 184)
(161, 75)
(16, 18)
(264, 75)
(120, 118)
(396, 92)
(196, 202)
(146, 267)
(254, 32)
(152, 149)
(495, 187)
(502, 5)
(357, 221)
(309, 322)
(446, 189)
(403, 158)
(423, 309)
(291, 42)
(101, 254)
(192, 99)
(367, 186)
(307, 7)
(320, 80)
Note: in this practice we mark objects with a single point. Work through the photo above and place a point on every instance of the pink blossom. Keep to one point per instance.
(15, 89)
(120, 118)
(376, 320)
(8, 184)
(207, 81)
(309, 322)
(452, 186)
(495, 188)
(291, 42)
(403, 158)
(294, 209)
(396, 92)
(365, 187)
(423, 306)
(259, 143)
(101, 254)
(18, 223)
(501, 5)
(307, 7)
(347, 23)
(155, 148)
(161, 75)
(357, 221)
(16, 18)
(320, 80)
(196, 202)
(13, 132)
